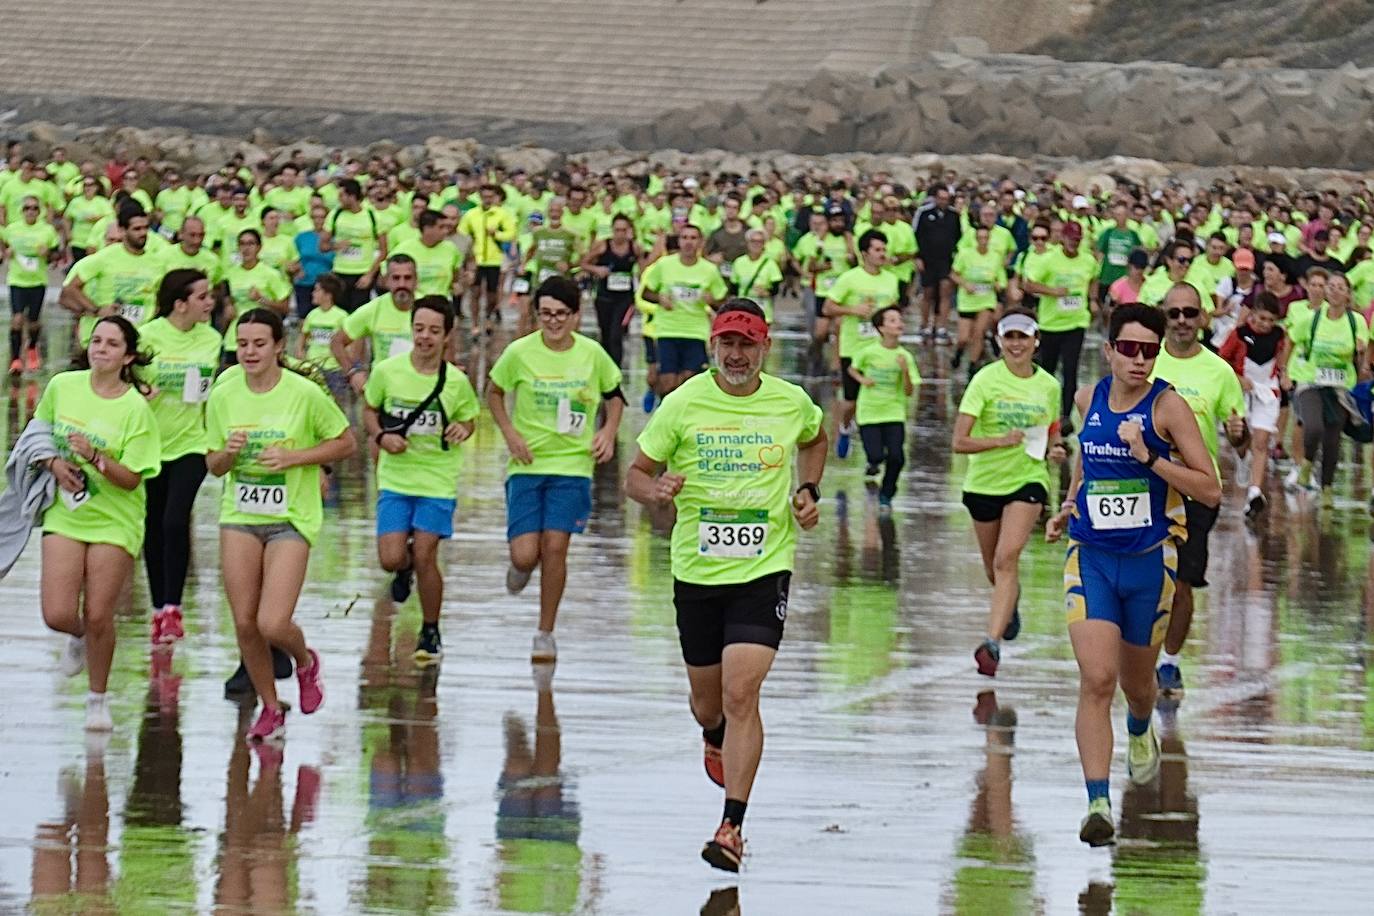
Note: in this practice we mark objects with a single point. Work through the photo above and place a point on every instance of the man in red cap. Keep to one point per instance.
(722, 448)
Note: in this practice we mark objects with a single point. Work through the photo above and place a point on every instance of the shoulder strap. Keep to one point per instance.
(402, 425)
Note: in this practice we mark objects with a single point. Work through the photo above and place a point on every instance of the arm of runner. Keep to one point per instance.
(966, 444)
(108, 468)
(1058, 523)
(1194, 476)
(859, 377)
(496, 403)
(810, 468)
(73, 298)
(589, 264)
(330, 451)
(603, 443)
(647, 483)
(219, 461)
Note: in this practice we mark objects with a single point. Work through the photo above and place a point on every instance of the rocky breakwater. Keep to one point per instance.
(1026, 106)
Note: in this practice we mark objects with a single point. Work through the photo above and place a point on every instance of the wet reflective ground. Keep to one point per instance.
(477, 787)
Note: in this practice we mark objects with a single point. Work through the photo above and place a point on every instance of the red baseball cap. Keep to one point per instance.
(746, 324)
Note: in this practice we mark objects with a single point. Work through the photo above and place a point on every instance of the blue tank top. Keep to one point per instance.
(1121, 505)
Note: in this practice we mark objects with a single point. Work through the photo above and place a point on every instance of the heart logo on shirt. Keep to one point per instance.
(770, 456)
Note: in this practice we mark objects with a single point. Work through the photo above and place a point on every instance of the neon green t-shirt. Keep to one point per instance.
(834, 249)
(886, 400)
(1209, 385)
(557, 393)
(901, 240)
(1331, 358)
(116, 276)
(318, 328)
(396, 387)
(122, 428)
(175, 257)
(29, 248)
(988, 274)
(1361, 278)
(755, 280)
(355, 238)
(434, 267)
(734, 516)
(295, 414)
(267, 280)
(1158, 284)
(183, 367)
(277, 251)
(855, 287)
(999, 401)
(174, 203)
(1207, 275)
(690, 288)
(384, 324)
(1057, 269)
(83, 215)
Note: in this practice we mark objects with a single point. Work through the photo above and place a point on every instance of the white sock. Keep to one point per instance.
(1252, 492)
(95, 699)
(1168, 658)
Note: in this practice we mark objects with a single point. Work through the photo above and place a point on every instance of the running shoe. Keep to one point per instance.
(271, 725)
(942, 337)
(872, 473)
(1142, 756)
(884, 506)
(1169, 678)
(516, 579)
(1013, 629)
(544, 650)
(842, 444)
(16, 367)
(1255, 505)
(400, 585)
(726, 849)
(312, 691)
(715, 763)
(649, 400)
(429, 647)
(167, 626)
(988, 655)
(73, 659)
(32, 361)
(1290, 481)
(1097, 829)
(98, 718)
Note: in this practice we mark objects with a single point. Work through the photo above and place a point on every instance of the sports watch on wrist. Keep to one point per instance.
(812, 489)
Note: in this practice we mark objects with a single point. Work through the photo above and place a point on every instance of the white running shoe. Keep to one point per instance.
(544, 650)
(516, 580)
(73, 659)
(98, 718)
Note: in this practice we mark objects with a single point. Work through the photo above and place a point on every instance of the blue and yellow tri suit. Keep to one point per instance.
(1122, 559)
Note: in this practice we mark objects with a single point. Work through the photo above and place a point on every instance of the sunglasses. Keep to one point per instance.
(1184, 261)
(1186, 311)
(1040, 238)
(1133, 348)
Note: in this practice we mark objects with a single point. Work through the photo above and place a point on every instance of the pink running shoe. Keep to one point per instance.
(271, 725)
(312, 691)
(167, 626)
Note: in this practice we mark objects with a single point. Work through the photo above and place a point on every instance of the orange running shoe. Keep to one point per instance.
(715, 764)
(726, 849)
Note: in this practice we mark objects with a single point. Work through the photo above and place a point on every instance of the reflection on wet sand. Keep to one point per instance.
(408, 867)
(996, 873)
(71, 865)
(538, 822)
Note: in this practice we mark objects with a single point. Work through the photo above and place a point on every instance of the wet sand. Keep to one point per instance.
(478, 787)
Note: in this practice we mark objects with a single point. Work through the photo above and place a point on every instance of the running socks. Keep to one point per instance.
(1136, 727)
(1097, 788)
(734, 811)
(1168, 658)
(716, 738)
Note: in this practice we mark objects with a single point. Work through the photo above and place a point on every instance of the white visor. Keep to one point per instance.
(1023, 323)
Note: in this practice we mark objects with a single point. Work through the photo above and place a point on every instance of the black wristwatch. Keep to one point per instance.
(812, 489)
(1151, 458)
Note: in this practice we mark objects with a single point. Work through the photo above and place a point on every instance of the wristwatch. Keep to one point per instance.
(812, 489)
(1151, 458)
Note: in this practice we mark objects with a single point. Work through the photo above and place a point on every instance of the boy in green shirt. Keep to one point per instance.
(887, 378)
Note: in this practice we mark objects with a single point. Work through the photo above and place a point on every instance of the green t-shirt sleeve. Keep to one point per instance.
(327, 421)
(506, 371)
(465, 406)
(974, 397)
(141, 451)
(608, 376)
(374, 391)
(718, 288)
(650, 278)
(215, 433)
(812, 419)
(659, 439)
(1234, 396)
(912, 371)
(359, 324)
(278, 288)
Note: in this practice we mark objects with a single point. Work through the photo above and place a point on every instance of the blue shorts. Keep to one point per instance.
(547, 502)
(1135, 591)
(398, 513)
(681, 354)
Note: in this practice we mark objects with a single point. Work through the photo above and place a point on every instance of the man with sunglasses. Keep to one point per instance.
(558, 380)
(1177, 263)
(1140, 455)
(1213, 392)
(722, 449)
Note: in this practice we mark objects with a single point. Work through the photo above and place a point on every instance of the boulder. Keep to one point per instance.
(968, 45)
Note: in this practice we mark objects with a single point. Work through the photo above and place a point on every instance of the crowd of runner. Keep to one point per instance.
(262, 323)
